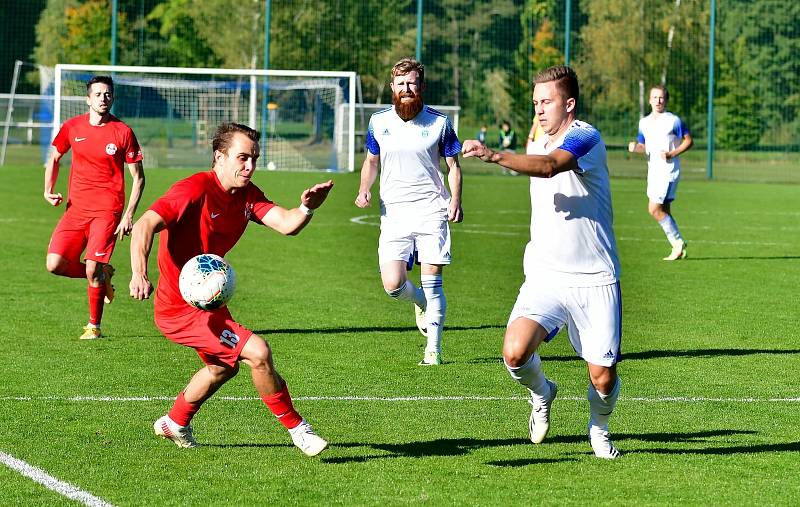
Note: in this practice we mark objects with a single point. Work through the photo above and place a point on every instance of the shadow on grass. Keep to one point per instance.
(713, 447)
(743, 257)
(369, 329)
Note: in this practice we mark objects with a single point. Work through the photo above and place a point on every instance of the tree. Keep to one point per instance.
(174, 39)
(51, 30)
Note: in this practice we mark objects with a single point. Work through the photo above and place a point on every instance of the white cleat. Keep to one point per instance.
(304, 437)
(602, 446)
(181, 435)
(431, 358)
(678, 251)
(539, 422)
(419, 313)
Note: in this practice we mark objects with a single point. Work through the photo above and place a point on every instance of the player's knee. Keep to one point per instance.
(604, 379)
(259, 357)
(56, 265)
(220, 373)
(514, 354)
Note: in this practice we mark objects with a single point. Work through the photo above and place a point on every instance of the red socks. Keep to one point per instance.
(280, 404)
(96, 295)
(183, 411)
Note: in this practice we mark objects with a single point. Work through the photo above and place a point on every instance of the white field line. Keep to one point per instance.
(481, 229)
(48, 481)
(390, 399)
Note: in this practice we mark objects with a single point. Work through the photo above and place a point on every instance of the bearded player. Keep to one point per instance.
(94, 219)
(408, 140)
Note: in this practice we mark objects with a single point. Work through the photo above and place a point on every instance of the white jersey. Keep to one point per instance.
(410, 153)
(659, 133)
(572, 240)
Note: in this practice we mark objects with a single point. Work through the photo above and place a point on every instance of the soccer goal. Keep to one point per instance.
(174, 112)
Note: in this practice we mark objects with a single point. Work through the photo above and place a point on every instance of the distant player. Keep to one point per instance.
(409, 140)
(571, 264)
(663, 136)
(208, 213)
(101, 144)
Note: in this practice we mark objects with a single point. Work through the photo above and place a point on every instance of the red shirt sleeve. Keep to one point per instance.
(181, 196)
(133, 152)
(259, 204)
(61, 141)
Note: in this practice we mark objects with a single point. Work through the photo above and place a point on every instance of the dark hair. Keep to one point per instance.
(565, 78)
(406, 65)
(223, 137)
(663, 89)
(106, 80)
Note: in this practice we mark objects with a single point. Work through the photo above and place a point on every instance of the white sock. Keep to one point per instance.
(409, 292)
(670, 228)
(435, 310)
(601, 405)
(531, 376)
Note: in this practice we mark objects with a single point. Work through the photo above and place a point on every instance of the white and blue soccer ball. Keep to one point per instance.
(207, 281)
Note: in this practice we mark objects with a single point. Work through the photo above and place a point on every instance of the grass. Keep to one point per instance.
(708, 413)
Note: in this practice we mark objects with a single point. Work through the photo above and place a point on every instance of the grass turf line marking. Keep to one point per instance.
(646, 399)
(48, 481)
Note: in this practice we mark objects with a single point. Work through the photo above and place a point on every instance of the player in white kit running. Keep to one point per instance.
(663, 136)
(408, 140)
(571, 264)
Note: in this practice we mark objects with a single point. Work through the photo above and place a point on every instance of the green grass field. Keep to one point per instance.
(711, 377)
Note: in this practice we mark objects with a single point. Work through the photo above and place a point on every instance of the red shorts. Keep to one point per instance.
(76, 233)
(214, 335)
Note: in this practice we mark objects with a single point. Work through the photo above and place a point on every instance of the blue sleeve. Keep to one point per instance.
(579, 141)
(640, 137)
(370, 143)
(449, 145)
(680, 129)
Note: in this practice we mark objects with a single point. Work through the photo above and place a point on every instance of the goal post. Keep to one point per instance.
(174, 112)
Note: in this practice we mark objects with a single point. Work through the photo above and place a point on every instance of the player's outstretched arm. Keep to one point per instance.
(126, 222)
(369, 172)
(540, 166)
(291, 221)
(50, 178)
(144, 230)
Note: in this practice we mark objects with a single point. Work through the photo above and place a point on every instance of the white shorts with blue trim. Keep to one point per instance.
(593, 316)
(400, 238)
(661, 190)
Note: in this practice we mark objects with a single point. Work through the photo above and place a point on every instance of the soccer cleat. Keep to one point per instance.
(181, 435)
(678, 251)
(419, 313)
(108, 272)
(431, 358)
(602, 446)
(90, 333)
(304, 437)
(539, 422)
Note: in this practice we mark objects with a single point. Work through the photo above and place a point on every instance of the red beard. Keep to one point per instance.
(407, 110)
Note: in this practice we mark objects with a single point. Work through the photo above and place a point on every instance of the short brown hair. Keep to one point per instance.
(106, 80)
(565, 78)
(406, 65)
(223, 137)
(663, 90)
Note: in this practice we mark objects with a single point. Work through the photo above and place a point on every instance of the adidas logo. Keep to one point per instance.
(386, 132)
(609, 355)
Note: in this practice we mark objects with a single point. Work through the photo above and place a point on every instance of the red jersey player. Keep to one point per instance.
(101, 144)
(208, 213)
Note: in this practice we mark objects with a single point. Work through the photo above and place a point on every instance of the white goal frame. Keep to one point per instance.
(252, 73)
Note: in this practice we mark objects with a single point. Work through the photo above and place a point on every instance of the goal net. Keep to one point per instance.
(174, 112)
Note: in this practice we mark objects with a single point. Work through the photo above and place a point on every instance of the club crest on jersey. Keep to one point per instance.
(425, 133)
(248, 210)
(111, 148)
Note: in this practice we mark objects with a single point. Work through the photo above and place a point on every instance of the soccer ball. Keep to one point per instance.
(207, 281)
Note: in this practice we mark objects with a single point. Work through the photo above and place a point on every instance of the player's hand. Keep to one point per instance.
(124, 228)
(140, 287)
(363, 199)
(53, 199)
(314, 197)
(665, 156)
(455, 213)
(632, 146)
(473, 148)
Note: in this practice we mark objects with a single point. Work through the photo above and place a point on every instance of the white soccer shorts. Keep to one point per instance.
(429, 237)
(593, 316)
(661, 190)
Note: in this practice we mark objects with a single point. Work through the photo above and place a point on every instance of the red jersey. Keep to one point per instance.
(99, 152)
(201, 218)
